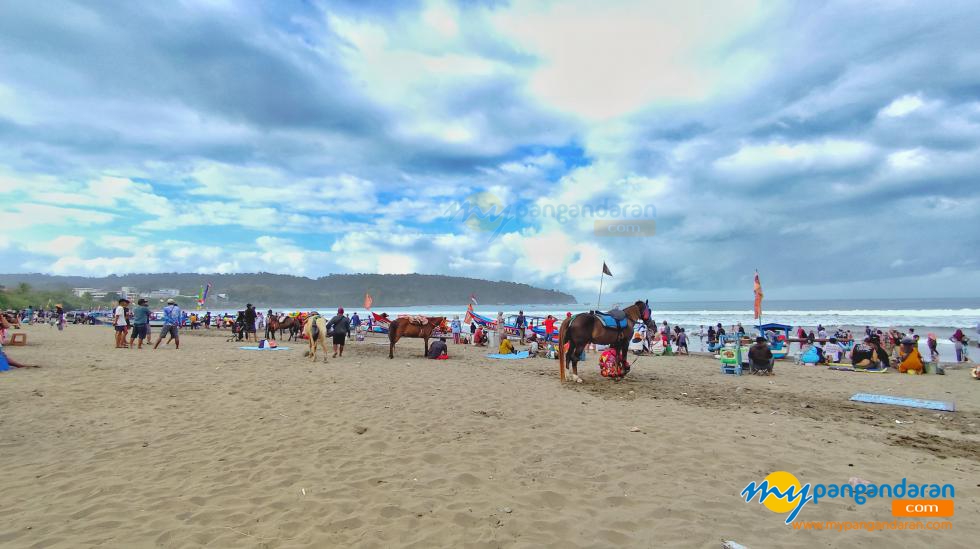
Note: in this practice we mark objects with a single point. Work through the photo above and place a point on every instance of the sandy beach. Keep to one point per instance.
(219, 447)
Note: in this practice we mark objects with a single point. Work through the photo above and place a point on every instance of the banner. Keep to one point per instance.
(758, 296)
(368, 301)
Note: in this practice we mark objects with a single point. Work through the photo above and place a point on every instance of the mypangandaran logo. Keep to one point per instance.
(781, 492)
(486, 212)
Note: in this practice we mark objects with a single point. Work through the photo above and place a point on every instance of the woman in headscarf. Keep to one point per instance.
(959, 341)
(909, 358)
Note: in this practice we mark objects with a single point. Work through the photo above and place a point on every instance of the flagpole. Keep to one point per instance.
(760, 310)
(601, 276)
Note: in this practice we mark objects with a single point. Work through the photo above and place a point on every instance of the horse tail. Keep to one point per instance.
(392, 328)
(562, 333)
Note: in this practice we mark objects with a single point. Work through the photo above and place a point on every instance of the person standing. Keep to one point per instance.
(339, 328)
(958, 340)
(119, 322)
(59, 312)
(521, 325)
(549, 328)
(456, 328)
(171, 320)
(207, 320)
(249, 321)
(141, 323)
(682, 342)
(355, 323)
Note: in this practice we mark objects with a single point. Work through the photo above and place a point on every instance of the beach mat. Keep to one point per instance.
(518, 356)
(864, 370)
(903, 401)
(264, 349)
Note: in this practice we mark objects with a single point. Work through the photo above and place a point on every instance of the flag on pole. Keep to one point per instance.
(473, 299)
(758, 296)
(368, 301)
(605, 269)
(469, 314)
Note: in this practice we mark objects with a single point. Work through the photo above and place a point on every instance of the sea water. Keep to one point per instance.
(938, 315)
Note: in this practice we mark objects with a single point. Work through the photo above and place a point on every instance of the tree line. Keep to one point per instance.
(280, 290)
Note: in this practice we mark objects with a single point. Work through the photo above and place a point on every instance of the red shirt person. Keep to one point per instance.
(549, 327)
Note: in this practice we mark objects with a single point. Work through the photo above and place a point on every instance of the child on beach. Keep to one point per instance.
(933, 347)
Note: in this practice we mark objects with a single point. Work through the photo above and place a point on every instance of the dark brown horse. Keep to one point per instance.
(290, 323)
(11, 319)
(584, 328)
(404, 327)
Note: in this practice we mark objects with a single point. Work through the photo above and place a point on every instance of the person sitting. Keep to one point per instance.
(532, 348)
(813, 354)
(438, 350)
(6, 362)
(833, 351)
(864, 355)
(880, 353)
(506, 347)
(760, 357)
(909, 359)
(479, 338)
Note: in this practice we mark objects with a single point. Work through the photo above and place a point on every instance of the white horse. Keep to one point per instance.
(321, 337)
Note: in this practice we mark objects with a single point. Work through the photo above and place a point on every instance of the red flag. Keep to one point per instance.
(368, 301)
(758, 296)
(469, 315)
(605, 269)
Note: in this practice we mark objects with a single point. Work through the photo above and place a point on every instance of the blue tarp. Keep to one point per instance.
(512, 356)
(903, 401)
(265, 349)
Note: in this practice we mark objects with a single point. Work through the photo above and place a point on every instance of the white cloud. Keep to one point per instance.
(601, 60)
(27, 215)
(908, 159)
(773, 157)
(902, 106)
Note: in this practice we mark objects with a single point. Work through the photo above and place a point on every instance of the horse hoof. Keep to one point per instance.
(576, 379)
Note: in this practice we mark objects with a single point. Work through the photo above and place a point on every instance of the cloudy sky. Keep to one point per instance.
(833, 146)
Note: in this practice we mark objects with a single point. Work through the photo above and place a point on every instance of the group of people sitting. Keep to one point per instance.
(868, 354)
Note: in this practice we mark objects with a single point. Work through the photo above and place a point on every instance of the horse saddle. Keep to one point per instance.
(614, 319)
(420, 320)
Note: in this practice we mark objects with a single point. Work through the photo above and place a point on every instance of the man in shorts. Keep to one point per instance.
(141, 324)
(171, 320)
(120, 323)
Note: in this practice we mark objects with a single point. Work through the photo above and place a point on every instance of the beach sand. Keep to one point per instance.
(214, 446)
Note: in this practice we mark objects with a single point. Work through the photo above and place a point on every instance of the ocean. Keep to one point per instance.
(941, 315)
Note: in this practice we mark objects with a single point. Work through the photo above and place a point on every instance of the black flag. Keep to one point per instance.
(605, 269)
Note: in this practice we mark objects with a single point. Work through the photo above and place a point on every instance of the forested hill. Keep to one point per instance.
(292, 291)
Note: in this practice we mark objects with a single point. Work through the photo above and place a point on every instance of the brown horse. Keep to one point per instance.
(584, 328)
(11, 319)
(404, 327)
(290, 323)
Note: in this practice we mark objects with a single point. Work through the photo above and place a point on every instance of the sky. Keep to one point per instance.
(832, 146)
